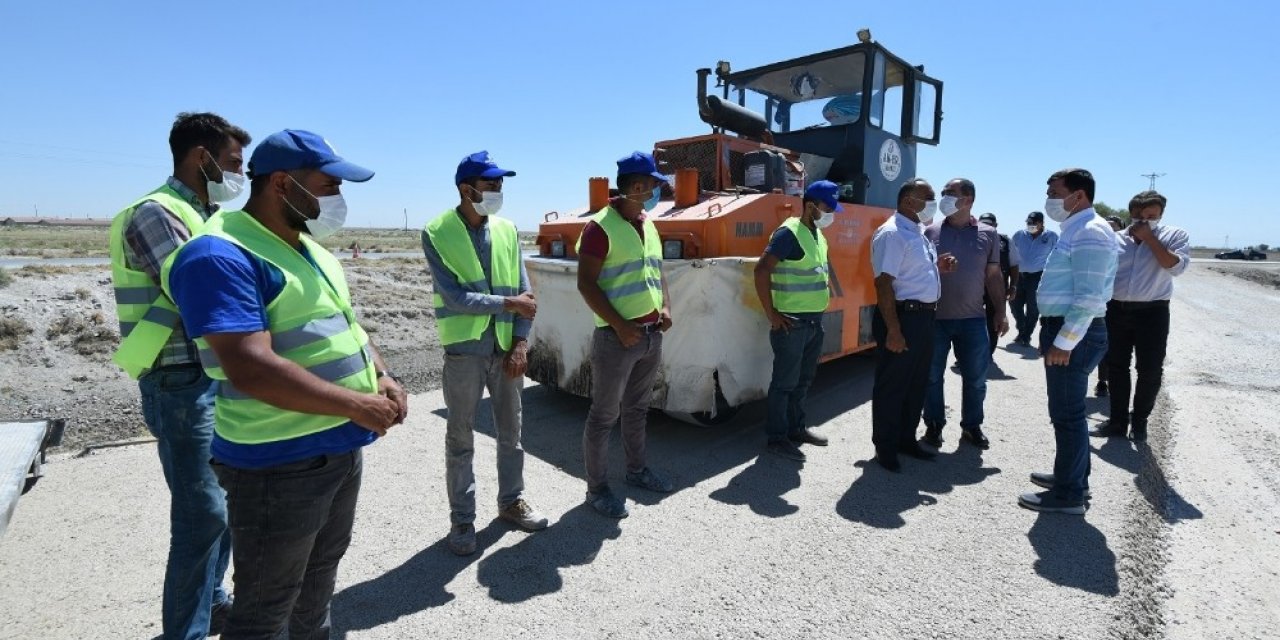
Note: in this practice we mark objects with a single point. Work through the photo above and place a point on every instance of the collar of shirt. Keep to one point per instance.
(484, 222)
(1079, 220)
(190, 196)
(907, 224)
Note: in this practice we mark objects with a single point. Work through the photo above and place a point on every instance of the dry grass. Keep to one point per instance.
(54, 242)
(46, 271)
(12, 332)
(86, 332)
(6, 278)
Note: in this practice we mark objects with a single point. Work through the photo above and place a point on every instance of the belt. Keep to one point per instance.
(916, 305)
(1127, 305)
(652, 327)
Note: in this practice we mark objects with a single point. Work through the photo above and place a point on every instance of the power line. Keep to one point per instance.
(1152, 177)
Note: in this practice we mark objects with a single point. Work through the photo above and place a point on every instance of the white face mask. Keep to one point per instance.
(230, 188)
(1056, 211)
(930, 209)
(490, 203)
(1033, 229)
(825, 219)
(948, 205)
(333, 214)
(1154, 225)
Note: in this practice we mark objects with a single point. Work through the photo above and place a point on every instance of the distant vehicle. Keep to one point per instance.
(1247, 253)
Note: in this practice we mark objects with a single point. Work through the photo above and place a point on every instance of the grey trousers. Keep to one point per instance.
(621, 386)
(465, 379)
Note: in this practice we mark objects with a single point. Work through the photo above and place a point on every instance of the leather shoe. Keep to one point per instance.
(1109, 429)
(916, 451)
(932, 436)
(1138, 433)
(1100, 391)
(807, 436)
(889, 461)
(975, 437)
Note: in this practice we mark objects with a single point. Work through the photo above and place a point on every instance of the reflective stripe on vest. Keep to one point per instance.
(311, 323)
(800, 286)
(632, 273)
(448, 234)
(147, 317)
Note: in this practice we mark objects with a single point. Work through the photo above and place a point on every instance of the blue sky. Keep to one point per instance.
(559, 91)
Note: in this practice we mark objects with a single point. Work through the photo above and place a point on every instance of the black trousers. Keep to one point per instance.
(897, 398)
(1140, 335)
(992, 334)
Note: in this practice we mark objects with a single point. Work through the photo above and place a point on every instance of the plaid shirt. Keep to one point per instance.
(153, 233)
(1079, 276)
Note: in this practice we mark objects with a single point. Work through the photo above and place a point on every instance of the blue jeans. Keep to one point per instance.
(795, 363)
(970, 339)
(1067, 387)
(177, 406)
(291, 525)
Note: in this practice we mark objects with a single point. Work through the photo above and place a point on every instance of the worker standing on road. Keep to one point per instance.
(1073, 295)
(962, 319)
(484, 311)
(906, 268)
(177, 398)
(1101, 390)
(620, 278)
(1152, 255)
(792, 280)
(301, 388)
(1007, 273)
(1028, 252)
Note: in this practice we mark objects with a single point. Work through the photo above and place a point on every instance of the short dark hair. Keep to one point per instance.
(1146, 199)
(907, 187)
(1075, 180)
(625, 180)
(208, 130)
(966, 187)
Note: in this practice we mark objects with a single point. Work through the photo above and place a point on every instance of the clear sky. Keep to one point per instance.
(559, 90)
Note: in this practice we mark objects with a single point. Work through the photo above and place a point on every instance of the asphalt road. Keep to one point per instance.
(1181, 540)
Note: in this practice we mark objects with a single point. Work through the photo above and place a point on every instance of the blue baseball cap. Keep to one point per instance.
(478, 165)
(824, 191)
(296, 149)
(642, 163)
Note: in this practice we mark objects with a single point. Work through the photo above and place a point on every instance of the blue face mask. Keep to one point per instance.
(653, 200)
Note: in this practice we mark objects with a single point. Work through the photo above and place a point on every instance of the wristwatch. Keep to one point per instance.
(388, 374)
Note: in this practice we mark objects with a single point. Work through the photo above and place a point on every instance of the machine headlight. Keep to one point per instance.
(557, 248)
(672, 249)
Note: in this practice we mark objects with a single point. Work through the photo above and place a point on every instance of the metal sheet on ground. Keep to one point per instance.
(19, 446)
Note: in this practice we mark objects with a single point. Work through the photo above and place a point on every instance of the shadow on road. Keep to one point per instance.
(418, 584)
(1141, 460)
(879, 498)
(1073, 553)
(532, 567)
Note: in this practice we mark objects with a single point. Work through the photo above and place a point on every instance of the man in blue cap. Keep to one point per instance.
(792, 280)
(484, 311)
(301, 388)
(620, 278)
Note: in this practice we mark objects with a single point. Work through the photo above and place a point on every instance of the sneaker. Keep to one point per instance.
(1049, 503)
(785, 449)
(522, 515)
(607, 504)
(462, 539)
(933, 436)
(218, 617)
(647, 479)
(975, 437)
(1100, 390)
(807, 436)
(1109, 429)
(1046, 480)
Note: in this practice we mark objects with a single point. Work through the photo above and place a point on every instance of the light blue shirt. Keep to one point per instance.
(1028, 253)
(1079, 276)
(1140, 278)
(900, 249)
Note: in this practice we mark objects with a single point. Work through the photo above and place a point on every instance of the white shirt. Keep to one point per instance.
(900, 249)
(1140, 278)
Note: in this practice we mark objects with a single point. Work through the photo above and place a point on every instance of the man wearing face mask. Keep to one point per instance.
(1007, 274)
(792, 280)
(1073, 294)
(301, 387)
(1028, 252)
(907, 269)
(961, 318)
(484, 311)
(1152, 255)
(154, 349)
(620, 278)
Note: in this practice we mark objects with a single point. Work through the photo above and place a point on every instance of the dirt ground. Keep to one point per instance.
(1267, 277)
(58, 330)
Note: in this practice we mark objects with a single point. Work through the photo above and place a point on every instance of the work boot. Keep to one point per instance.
(462, 539)
(522, 515)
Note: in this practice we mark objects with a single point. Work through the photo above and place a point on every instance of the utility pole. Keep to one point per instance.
(37, 208)
(406, 219)
(1152, 177)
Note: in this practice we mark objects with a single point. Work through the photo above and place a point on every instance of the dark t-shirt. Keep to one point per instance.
(595, 243)
(785, 246)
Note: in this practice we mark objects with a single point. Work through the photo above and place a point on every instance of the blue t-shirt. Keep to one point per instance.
(221, 288)
(785, 246)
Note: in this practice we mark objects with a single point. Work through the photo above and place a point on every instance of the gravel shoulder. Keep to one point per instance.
(1180, 542)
